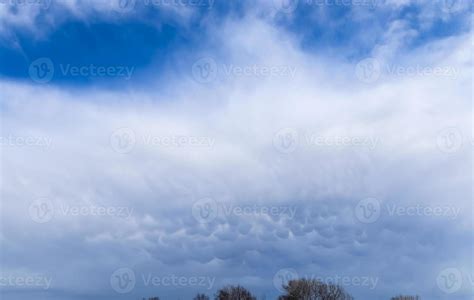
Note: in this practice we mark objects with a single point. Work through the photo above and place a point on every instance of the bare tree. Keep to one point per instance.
(201, 297)
(234, 293)
(304, 289)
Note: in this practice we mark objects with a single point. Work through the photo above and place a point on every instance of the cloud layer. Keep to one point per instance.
(254, 159)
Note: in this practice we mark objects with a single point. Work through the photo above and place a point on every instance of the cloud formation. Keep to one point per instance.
(254, 158)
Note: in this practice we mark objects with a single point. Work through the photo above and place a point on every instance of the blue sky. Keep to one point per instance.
(167, 148)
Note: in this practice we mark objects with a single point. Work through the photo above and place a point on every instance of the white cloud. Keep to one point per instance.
(242, 114)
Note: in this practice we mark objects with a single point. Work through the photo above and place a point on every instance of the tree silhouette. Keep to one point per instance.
(201, 297)
(234, 293)
(304, 289)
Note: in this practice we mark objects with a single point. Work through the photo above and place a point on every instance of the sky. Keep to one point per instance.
(170, 147)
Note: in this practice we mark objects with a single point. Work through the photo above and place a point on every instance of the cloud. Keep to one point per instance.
(220, 147)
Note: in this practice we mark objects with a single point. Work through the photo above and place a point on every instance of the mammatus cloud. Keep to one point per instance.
(242, 172)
